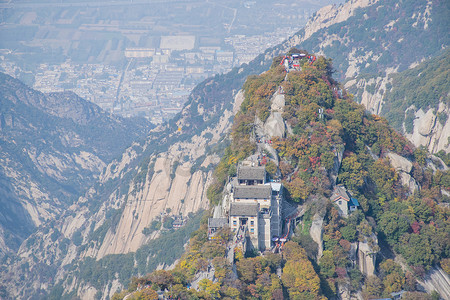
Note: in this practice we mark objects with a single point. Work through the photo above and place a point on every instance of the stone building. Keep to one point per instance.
(215, 224)
(251, 175)
(256, 205)
(245, 215)
(345, 202)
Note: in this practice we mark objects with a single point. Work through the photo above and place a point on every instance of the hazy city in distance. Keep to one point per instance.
(139, 58)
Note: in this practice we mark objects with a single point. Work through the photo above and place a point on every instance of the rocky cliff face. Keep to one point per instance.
(437, 280)
(176, 183)
(51, 148)
(372, 100)
(136, 189)
(414, 101)
(332, 14)
(429, 131)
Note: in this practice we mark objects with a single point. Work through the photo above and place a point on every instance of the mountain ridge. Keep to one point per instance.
(46, 152)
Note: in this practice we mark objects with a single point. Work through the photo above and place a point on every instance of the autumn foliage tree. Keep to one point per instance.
(299, 275)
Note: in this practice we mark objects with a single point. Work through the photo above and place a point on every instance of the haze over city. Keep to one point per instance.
(139, 58)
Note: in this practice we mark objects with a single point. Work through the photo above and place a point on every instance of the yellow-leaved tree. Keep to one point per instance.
(298, 274)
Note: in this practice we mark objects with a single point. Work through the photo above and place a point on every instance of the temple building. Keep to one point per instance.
(256, 206)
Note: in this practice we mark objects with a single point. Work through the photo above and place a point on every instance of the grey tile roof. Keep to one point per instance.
(252, 192)
(244, 209)
(251, 173)
(217, 222)
(340, 192)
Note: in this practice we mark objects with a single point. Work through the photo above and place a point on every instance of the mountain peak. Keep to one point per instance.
(279, 172)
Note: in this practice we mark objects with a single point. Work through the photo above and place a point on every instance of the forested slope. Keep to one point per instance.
(405, 227)
(371, 41)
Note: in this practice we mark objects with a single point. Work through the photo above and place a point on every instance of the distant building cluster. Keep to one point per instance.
(138, 60)
(156, 82)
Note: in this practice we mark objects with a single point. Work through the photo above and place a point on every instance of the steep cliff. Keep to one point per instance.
(176, 182)
(51, 147)
(417, 103)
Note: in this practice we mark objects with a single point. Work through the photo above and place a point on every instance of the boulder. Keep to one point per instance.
(367, 257)
(400, 163)
(436, 163)
(274, 125)
(409, 182)
(430, 132)
(316, 232)
(278, 102)
(427, 123)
